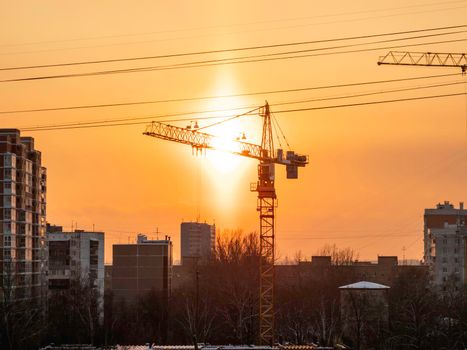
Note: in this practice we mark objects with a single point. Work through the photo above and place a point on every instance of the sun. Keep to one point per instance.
(221, 158)
(227, 174)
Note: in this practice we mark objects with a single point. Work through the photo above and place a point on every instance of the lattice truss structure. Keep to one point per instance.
(267, 200)
(425, 59)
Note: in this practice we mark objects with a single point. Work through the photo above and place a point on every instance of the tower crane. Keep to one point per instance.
(268, 157)
(429, 59)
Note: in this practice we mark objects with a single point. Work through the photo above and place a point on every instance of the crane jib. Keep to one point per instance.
(200, 141)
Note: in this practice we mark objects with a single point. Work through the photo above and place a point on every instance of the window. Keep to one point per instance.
(445, 269)
(9, 201)
(7, 187)
(7, 174)
(7, 160)
(7, 240)
(7, 227)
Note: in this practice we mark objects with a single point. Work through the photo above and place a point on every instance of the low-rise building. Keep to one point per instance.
(142, 267)
(76, 256)
(364, 312)
(384, 271)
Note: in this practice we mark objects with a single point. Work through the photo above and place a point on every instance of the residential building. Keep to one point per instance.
(142, 267)
(22, 218)
(447, 255)
(197, 241)
(76, 256)
(364, 312)
(444, 213)
(445, 244)
(108, 277)
(384, 271)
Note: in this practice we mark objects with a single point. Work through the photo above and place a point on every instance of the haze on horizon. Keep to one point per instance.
(373, 169)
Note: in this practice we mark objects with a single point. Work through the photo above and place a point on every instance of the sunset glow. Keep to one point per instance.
(366, 161)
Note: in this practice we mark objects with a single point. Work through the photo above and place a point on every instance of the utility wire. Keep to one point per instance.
(241, 32)
(224, 61)
(248, 107)
(349, 237)
(224, 96)
(369, 103)
(31, 129)
(66, 64)
(229, 25)
(363, 94)
(153, 117)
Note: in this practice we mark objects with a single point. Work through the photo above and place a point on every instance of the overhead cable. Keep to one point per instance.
(182, 54)
(186, 99)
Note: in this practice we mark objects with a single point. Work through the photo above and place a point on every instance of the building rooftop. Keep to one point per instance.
(364, 285)
(446, 208)
(191, 347)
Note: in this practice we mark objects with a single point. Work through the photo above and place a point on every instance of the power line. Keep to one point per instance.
(369, 103)
(228, 25)
(368, 93)
(249, 31)
(217, 62)
(146, 118)
(341, 237)
(224, 96)
(227, 118)
(182, 54)
(31, 129)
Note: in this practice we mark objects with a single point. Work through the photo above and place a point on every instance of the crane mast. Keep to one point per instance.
(429, 59)
(266, 202)
(266, 206)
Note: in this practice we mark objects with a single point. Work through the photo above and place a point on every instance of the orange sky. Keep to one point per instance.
(373, 169)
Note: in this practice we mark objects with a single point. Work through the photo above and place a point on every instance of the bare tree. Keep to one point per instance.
(74, 313)
(326, 322)
(234, 271)
(413, 310)
(339, 256)
(17, 314)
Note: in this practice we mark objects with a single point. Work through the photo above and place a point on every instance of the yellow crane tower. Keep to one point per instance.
(429, 59)
(267, 199)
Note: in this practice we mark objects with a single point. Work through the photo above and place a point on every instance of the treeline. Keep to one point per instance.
(218, 304)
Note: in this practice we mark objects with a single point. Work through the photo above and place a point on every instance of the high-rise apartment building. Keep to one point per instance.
(22, 218)
(445, 244)
(197, 241)
(142, 267)
(435, 218)
(76, 257)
